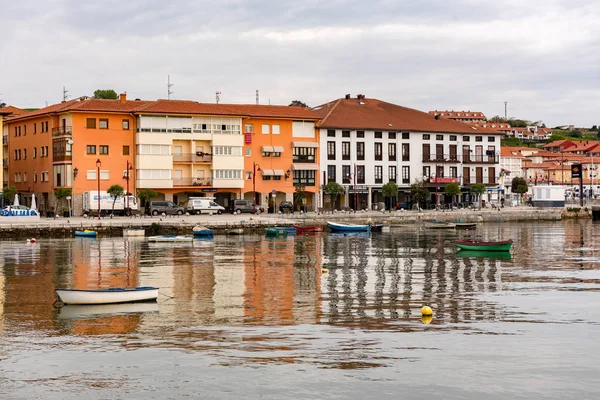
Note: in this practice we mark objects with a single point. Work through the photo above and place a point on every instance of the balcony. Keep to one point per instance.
(198, 157)
(204, 182)
(443, 180)
(440, 158)
(473, 179)
(304, 159)
(62, 131)
(4, 139)
(5, 162)
(480, 159)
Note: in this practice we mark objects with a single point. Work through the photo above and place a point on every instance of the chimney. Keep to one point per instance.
(347, 97)
(437, 116)
(123, 97)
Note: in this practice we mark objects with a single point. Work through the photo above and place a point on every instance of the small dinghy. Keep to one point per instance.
(290, 229)
(336, 227)
(308, 228)
(503, 245)
(107, 296)
(170, 239)
(380, 228)
(86, 233)
(276, 232)
(202, 231)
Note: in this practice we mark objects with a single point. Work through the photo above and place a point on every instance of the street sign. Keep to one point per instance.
(576, 171)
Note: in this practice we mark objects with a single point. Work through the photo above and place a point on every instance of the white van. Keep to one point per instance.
(202, 205)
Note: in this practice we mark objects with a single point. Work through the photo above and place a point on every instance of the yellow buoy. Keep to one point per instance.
(426, 319)
(324, 270)
(427, 311)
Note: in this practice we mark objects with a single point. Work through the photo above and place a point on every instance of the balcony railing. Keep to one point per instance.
(304, 159)
(441, 158)
(198, 157)
(192, 182)
(62, 131)
(4, 139)
(473, 179)
(480, 158)
(5, 162)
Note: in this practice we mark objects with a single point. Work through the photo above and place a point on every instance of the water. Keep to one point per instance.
(316, 316)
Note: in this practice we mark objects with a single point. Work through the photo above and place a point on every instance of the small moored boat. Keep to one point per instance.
(86, 233)
(290, 229)
(380, 228)
(276, 232)
(466, 225)
(170, 238)
(503, 245)
(308, 228)
(440, 225)
(202, 231)
(337, 227)
(107, 296)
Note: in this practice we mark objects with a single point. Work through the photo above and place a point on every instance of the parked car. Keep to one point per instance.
(167, 207)
(286, 206)
(244, 206)
(7, 208)
(197, 205)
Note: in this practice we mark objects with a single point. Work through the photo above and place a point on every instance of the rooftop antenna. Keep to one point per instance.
(218, 96)
(169, 86)
(65, 93)
(257, 96)
(505, 113)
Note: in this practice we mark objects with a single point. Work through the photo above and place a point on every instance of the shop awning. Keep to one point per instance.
(267, 172)
(305, 167)
(305, 144)
(277, 149)
(278, 172)
(267, 149)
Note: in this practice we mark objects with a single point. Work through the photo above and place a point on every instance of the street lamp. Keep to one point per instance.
(126, 177)
(255, 167)
(98, 165)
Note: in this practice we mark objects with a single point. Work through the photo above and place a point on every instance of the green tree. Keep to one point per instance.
(478, 189)
(61, 193)
(9, 193)
(146, 194)
(556, 136)
(105, 94)
(298, 103)
(334, 190)
(390, 189)
(452, 189)
(419, 193)
(115, 191)
(299, 196)
(519, 185)
(497, 119)
(576, 133)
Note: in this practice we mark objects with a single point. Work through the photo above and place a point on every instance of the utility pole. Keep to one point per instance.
(169, 86)
(505, 111)
(65, 93)
(218, 96)
(257, 96)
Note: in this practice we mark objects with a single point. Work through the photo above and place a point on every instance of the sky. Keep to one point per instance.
(541, 57)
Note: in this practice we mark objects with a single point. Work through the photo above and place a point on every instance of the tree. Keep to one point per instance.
(390, 189)
(478, 189)
(9, 193)
(105, 94)
(60, 194)
(146, 194)
(334, 189)
(556, 136)
(576, 133)
(2, 104)
(594, 127)
(452, 189)
(519, 185)
(115, 191)
(419, 193)
(298, 103)
(497, 119)
(299, 196)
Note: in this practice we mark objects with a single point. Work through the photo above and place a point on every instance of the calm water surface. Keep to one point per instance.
(315, 316)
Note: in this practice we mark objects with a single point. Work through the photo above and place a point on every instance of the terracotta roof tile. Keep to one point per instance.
(11, 110)
(367, 113)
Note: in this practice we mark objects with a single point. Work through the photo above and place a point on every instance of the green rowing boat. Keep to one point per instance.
(484, 246)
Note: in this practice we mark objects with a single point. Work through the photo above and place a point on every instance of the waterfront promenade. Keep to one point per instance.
(65, 227)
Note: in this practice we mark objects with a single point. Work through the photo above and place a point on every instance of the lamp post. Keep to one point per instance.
(255, 167)
(355, 194)
(98, 165)
(126, 177)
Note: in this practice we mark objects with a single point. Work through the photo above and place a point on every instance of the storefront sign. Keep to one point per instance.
(576, 171)
(209, 190)
(248, 137)
(444, 180)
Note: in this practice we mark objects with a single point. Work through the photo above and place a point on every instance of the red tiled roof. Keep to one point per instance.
(11, 110)
(559, 143)
(451, 114)
(367, 113)
(104, 105)
(46, 110)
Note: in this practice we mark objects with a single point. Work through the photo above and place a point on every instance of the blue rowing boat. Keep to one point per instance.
(86, 233)
(290, 229)
(201, 231)
(336, 227)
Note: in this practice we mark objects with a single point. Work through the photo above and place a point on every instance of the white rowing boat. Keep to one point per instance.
(107, 296)
(170, 239)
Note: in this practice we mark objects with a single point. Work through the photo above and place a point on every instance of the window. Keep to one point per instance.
(275, 129)
(345, 133)
(227, 174)
(378, 174)
(405, 135)
(345, 174)
(330, 133)
(392, 151)
(103, 123)
(453, 138)
(103, 149)
(24, 132)
(479, 138)
(34, 177)
(90, 175)
(125, 150)
(392, 173)
(90, 123)
(35, 152)
(248, 152)
(360, 134)
(34, 131)
(125, 124)
(266, 177)
(453, 172)
(466, 138)
(104, 175)
(439, 137)
(15, 155)
(378, 151)
(266, 154)
(405, 174)
(491, 138)
(304, 177)
(426, 136)
(345, 150)
(360, 174)
(24, 154)
(303, 154)
(154, 174)
(276, 177)
(46, 151)
(91, 149)
(247, 128)
(391, 135)
(276, 154)
(154, 149)
(378, 135)
(360, 150)
(46, 130)
(330, 173)
(331, 150)
(405, 152)
(266, 129)
(426, 172)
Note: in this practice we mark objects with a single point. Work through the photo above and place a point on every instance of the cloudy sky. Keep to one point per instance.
(542, 57)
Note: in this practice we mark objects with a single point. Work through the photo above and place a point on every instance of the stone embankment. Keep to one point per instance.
(223, 224)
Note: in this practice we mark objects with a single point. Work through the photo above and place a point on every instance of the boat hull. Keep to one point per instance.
(276, 232)
(170, 239)
(484, 246)
(304, 229)
(107, 296)
(204, 233)
(466, 225)
(380, 228)
(290, 229)
(86, 233)
(440, 225)
(347, 227)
